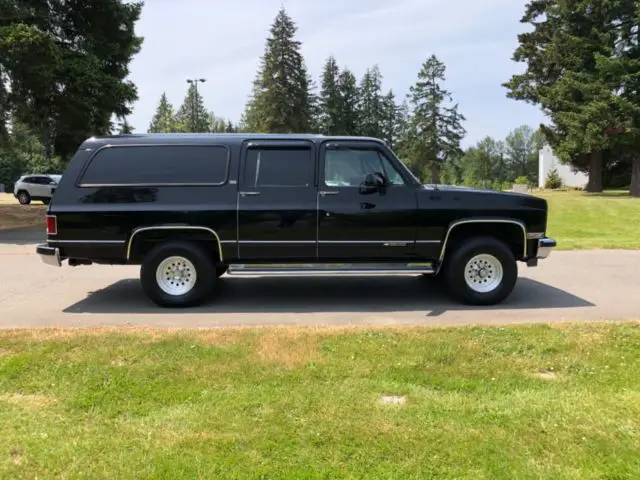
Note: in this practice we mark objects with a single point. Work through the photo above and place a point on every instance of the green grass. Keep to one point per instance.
(481, 403)
(580, 220)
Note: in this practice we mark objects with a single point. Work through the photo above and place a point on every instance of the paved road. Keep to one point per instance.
(585, 286)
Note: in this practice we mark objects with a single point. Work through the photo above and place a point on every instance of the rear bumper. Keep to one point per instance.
(545, 247)
(49, 255)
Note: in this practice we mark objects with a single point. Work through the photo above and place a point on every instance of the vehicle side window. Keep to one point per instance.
(349, 167)
(28, 180)
(158, 165)
(278, 167)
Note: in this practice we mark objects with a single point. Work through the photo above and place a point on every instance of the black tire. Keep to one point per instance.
(221, 270)
(454, 271)
(46, 201)
(205, 274)
(24, 198)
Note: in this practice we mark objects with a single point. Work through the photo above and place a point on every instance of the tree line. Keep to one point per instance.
(64, 78)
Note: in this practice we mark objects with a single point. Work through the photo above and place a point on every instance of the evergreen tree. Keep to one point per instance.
(330, 103)
(435, 125)
(349, 101)
(230, 128)
(371, 106)
(125, 127)
(67, 65)
(163, 120)
(280, 100)
(392, 124)
(563, 54)
(192, 115)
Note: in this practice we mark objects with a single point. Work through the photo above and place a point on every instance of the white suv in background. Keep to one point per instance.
(35, 187)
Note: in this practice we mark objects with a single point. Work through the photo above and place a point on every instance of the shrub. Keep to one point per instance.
(521, 180)
(553, 180)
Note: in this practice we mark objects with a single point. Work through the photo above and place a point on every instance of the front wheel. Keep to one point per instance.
(481, 271)
(177, 274)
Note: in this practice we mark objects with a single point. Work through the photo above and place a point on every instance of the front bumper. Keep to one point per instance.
(545, 247)
(49, 255)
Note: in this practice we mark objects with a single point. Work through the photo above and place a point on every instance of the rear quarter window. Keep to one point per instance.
(157, 165)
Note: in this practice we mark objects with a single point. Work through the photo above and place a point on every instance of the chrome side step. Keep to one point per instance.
(314, 269)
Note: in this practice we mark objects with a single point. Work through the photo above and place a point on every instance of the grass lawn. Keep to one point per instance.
(580, 220)
(480, 403)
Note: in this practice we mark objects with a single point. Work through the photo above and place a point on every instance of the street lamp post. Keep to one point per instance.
(194, 112)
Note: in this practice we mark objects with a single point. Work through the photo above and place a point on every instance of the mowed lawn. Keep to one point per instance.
(580, 220)
(474, 403)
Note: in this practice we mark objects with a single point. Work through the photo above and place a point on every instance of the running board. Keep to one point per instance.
(276, 269)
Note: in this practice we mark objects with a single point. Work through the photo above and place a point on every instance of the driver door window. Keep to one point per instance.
(349, 167)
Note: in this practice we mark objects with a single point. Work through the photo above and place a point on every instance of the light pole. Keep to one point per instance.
(194, 113)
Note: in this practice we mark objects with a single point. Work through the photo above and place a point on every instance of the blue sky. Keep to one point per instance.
(222, 41)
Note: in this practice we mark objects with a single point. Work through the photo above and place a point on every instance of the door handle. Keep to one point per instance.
(325, 193)
(249, 194)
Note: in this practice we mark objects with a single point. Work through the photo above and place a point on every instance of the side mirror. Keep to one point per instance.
(373, 182)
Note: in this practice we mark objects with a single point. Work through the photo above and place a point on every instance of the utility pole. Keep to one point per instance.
(194, 110)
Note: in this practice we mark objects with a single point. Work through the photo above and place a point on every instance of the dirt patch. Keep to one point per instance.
(288, 347)
(21, 216)
(5, 353)
(546, 374)
(392, 400)
(27, 400)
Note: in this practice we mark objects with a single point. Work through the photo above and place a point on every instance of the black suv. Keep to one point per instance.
(189, 208)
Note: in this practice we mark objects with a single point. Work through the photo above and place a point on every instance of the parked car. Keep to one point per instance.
(36, 187)
(189, 208)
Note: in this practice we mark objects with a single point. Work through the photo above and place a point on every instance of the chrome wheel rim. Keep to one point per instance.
(176, 275)
(22, 198)
(483, 273)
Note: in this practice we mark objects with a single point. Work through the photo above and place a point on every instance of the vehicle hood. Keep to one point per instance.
(486, 196)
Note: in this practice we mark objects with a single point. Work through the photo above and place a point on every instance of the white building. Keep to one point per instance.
(547, 160)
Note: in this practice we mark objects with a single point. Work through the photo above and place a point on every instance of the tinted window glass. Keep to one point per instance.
(156, 165)
(278, 167)
(349, 167)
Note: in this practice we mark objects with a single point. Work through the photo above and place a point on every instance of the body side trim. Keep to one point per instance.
(174, 227)
(105, 242)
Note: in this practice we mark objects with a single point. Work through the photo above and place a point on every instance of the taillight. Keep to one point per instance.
(52, 225)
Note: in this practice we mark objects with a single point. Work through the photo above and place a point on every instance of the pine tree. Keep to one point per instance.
(435, 125)
(330, 103)
(192, 115)
(392, 124)
(349, 101)
(230, 128)
(280, 100)
(163, 120)
(564, 54)
(371, 108)
(125, 127)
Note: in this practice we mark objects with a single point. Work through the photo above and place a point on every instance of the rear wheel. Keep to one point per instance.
(177, 274)
(46, 201)
(24, 198)
(481, 271)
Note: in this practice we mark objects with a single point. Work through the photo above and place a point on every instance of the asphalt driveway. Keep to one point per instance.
(568, 286)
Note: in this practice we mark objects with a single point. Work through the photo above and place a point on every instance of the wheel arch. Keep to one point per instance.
(511, 230)
(173, 229)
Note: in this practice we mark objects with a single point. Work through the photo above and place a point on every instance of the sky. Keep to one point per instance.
(222, 41)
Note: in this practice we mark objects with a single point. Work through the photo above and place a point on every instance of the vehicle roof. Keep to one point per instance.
(172, 138)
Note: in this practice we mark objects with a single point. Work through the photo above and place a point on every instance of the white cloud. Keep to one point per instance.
(222, 42)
